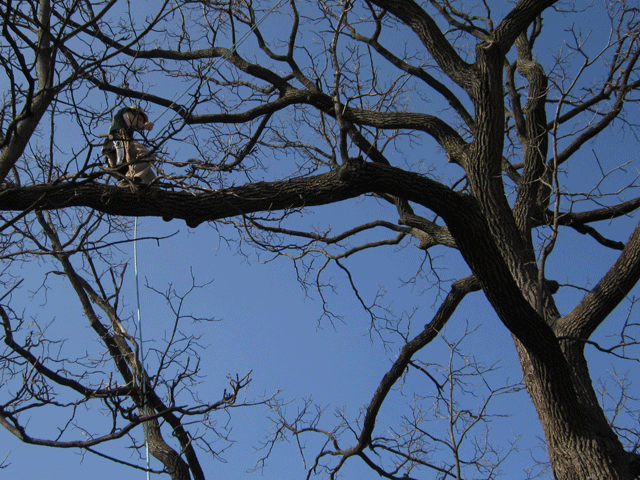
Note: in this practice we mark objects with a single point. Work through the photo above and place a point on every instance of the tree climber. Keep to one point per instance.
(121, 150)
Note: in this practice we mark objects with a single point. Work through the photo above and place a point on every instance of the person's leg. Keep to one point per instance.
(141, 170)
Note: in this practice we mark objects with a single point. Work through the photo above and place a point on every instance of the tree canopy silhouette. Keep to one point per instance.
(473, 121)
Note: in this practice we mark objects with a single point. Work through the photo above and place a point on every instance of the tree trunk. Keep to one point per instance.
(176, 467)
(587, 449)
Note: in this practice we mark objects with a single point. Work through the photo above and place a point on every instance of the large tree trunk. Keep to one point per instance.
(586, 449)
(580, 442)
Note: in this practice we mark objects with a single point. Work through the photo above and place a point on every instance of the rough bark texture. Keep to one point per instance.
(493, 229)
(557, 378)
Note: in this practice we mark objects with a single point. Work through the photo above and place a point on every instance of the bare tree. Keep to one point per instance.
(39, 374)
(334, 108)
(446, 430)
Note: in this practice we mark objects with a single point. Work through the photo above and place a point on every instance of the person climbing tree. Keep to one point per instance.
(121, 150)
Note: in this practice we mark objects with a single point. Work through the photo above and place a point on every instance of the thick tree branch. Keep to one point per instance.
(432, 38)
(50, 374)
(420, 73)
(597, 215)
(533, 136)
(440, 130)
(460, 213)
(518, 20)
(594, 308)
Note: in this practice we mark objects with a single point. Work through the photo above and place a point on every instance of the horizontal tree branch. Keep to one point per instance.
(460, 213)
(448, 137)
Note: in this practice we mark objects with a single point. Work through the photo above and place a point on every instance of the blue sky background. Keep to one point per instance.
(270, 326)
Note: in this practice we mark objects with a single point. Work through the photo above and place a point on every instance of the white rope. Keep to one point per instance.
(135, 228)
(141, 346)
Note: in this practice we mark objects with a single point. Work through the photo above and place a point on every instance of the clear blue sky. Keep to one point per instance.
(269, 326)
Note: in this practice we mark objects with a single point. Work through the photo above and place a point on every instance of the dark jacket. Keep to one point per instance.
(118, 124)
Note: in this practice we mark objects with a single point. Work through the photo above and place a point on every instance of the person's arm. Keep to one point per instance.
(136, 122)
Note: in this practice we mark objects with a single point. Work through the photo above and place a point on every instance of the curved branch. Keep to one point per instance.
(20, 433)
(420, 73)
(441, 131)
(579, 220)
(433, 234)
(432, 38)
(50, 374)
(459, 289)
(594, 308)
(589, 230)
(597, 215)
(517, 21)
(331, 187)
